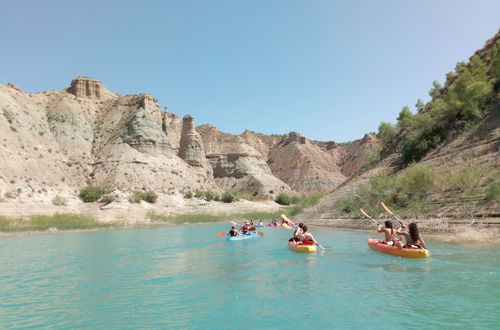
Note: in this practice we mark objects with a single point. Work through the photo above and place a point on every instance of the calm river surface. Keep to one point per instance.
(189, 278)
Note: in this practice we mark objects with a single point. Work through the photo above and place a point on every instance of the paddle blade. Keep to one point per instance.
(386, 208)
(366, 214)
(234, 223)
(260, 233)
(252, 229)
(221, 234)
(284, 217)
(286, 226)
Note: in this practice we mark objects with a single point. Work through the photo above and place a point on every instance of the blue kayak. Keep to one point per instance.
(252, 234)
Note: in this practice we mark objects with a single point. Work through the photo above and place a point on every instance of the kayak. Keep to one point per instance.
(302, 248)
(377, 245)
(252, 234)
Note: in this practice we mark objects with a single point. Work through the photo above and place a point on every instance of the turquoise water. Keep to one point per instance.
(189, 278)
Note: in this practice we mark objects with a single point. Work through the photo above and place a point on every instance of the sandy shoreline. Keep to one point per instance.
(454, 231)
(129, 216)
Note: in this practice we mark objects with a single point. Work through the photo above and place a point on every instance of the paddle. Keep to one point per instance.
(286, 226)
(388, 210)
(369, 217)
(391, 213)
(284, 217)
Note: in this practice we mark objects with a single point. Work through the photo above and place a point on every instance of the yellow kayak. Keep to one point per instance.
(397, 251)
(302, 248)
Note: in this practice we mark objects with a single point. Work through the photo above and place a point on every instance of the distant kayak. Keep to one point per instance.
(252, 234)
(302, 248)
(377, 245)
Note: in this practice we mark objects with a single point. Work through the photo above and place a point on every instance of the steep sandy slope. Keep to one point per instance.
(237, 165)
(304, 165)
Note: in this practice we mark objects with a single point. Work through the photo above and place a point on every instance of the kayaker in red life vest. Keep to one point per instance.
(412, 237)
(233, 231)
(305, 238)
(390, 233)
(245, 228)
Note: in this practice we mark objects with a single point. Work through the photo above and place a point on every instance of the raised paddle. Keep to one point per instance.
(284, 217)
(369, 217)
(391, 213)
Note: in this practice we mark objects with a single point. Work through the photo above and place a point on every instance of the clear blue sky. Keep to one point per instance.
(330, 70)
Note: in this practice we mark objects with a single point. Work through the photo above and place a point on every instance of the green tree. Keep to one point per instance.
(386, 132)
(436, 89)
(405, 118)
(495, 66)
(419, 105)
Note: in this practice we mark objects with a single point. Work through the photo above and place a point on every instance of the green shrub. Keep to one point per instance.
(91, 194)
(467, 178)
(493, 192)
(209, 195)
(372, 157)
(303, 202)
(59, 200)
(150, 197)
(188, 195)
(198, 193)
(283, 199)
(229, 196)
(138, 196)
(418, 180)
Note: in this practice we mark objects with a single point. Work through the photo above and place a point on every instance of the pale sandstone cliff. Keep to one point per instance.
(60, 141)
(237, 165)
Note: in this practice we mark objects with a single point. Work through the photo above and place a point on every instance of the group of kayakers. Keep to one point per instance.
(301, 236)
(246, 229)
(394, 237)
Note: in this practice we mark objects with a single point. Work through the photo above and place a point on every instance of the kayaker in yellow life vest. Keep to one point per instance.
(390, 233)
(412, 236)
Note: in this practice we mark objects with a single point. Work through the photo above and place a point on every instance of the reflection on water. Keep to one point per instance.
(187, 277)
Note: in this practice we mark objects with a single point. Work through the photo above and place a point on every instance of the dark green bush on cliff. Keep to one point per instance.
(148, 196)
(91, 194)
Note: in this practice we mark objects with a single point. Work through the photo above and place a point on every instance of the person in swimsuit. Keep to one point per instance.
(304, 237)
(412, 236)
(233, 231)
(390, 233)
(297, 234)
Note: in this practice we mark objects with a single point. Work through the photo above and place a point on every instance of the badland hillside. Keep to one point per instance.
(58, 142)
(441, 161)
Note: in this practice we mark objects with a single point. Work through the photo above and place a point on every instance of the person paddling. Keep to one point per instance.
(233, 231)
(297, 234)
(305, 238)
(412, 236)
(388, 230)
(245, 228)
